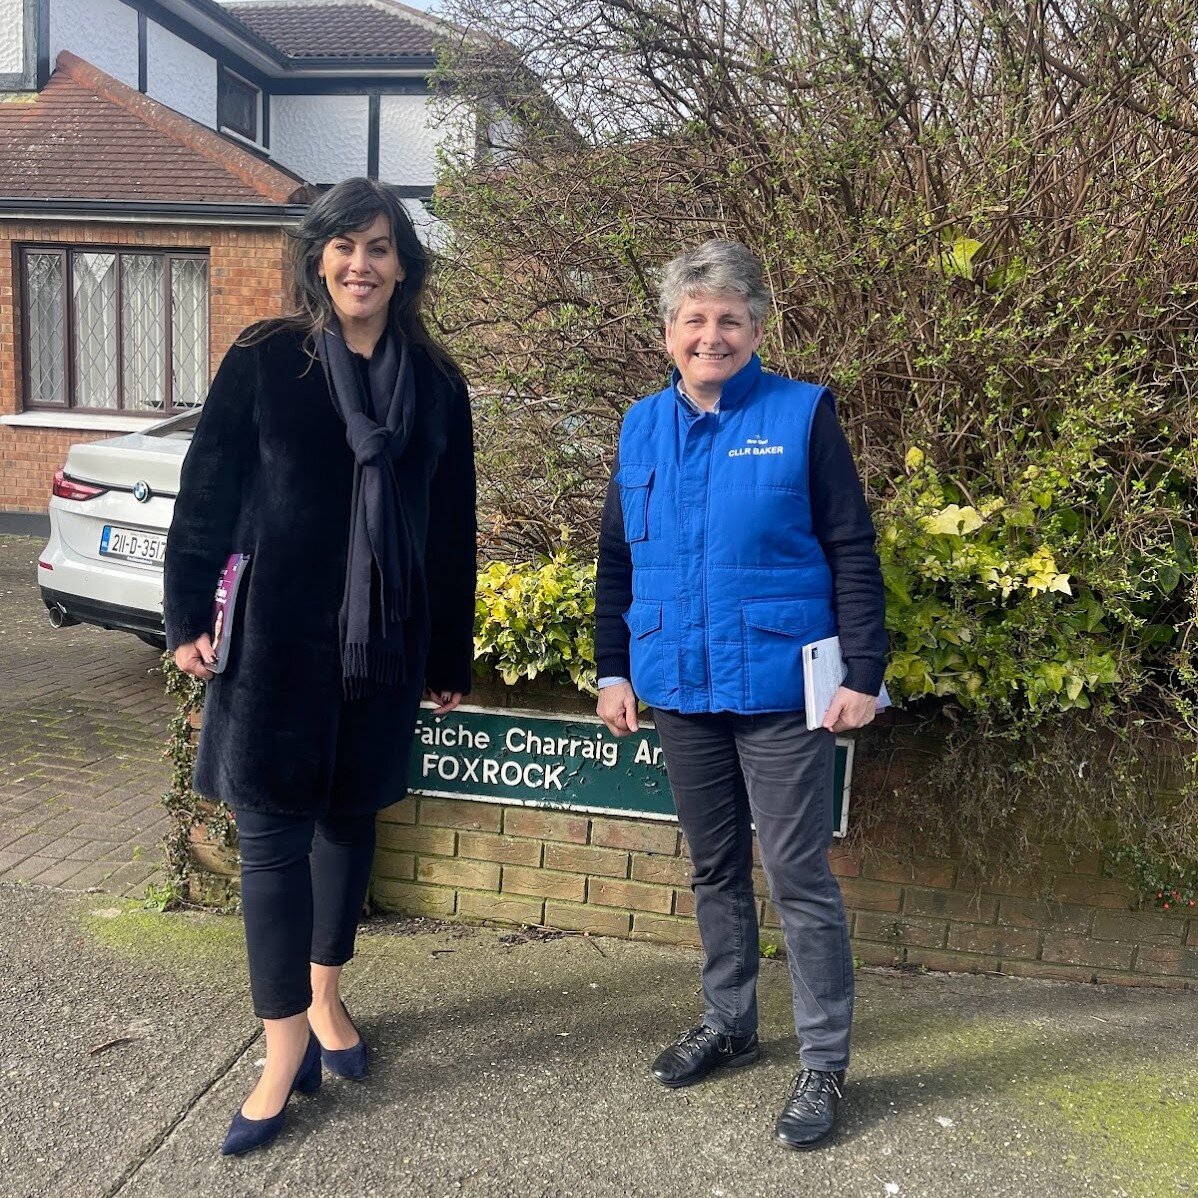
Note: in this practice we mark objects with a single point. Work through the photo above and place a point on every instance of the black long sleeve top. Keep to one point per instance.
(842, 525)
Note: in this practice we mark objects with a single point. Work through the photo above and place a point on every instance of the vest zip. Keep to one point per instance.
(703, 573)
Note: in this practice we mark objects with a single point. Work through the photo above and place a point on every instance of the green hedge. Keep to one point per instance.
(997, 606)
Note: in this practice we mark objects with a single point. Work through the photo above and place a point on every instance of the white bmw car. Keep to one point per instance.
(109, 514)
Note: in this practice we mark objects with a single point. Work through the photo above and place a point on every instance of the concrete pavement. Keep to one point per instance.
(511, 1066)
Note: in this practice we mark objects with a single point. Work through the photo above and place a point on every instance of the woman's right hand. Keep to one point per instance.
(196, 657)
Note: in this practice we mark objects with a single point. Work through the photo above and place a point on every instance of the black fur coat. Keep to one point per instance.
(269, 473)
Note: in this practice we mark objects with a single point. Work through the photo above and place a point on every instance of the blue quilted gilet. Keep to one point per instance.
(729, 582)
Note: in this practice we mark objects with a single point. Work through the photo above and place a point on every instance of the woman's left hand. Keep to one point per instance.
(849, 710)
(447, 700)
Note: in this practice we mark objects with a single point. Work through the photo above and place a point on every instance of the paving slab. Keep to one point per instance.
(101, 1049)
(513, 1065)
(83, 723)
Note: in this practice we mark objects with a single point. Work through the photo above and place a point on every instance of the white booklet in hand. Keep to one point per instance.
(823, 672)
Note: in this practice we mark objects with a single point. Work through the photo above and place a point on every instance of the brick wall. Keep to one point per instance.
(28, 459)
(247, 279)
(454, 858)
(630, 877)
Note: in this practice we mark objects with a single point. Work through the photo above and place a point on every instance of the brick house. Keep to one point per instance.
(151, 156)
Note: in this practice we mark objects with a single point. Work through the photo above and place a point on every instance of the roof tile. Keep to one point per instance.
(88, 136)
(362, 30)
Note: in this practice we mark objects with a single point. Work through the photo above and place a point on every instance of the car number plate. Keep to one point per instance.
(133, 545)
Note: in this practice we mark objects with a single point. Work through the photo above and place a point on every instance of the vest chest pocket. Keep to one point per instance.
(775, 631)
(635, 482)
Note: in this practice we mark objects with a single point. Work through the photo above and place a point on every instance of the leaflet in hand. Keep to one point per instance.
(823, 673)
(224, 608)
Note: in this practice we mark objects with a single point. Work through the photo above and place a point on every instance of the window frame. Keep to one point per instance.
(66, 253)
(254, 136)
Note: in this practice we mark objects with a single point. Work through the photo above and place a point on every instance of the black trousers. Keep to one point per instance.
(303, 883)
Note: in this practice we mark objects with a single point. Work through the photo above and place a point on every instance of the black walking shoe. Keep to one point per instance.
(701, 1050)
(809, 1115)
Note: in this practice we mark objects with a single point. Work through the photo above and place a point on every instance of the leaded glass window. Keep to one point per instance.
(189, 330)
(94, 328)
(143, 335)
(107, 330)
(45, 348)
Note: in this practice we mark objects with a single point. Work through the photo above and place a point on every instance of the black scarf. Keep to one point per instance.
(378, 571)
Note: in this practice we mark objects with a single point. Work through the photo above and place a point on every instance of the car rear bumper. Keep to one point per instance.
(104, 614)
(109, 583)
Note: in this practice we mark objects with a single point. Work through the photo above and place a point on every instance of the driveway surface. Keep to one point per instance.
(83, 721)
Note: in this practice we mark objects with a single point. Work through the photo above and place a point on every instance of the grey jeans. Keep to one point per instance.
(726, 770)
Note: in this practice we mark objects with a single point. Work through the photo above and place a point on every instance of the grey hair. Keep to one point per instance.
(719, 267)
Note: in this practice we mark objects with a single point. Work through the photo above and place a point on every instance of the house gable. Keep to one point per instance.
(88, 136)
(325, 88)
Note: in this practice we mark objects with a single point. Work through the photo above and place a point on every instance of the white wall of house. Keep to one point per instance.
(503, 137)
(322, 138)
(410, 130)
(431, 230)
(12, 37)
(102, 32)
(180, 76)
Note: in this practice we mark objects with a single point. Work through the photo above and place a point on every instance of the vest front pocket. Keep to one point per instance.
(775, 631)
(634, 481)
(648, 663)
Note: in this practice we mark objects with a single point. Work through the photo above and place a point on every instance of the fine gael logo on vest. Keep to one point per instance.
(756, 447)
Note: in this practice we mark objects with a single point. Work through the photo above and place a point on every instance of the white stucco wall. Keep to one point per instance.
(431, 230)
(503, 138)
(180, 76)
(12, 37)
(322, 138)
(410, 130)
(103, 32)
(407, 142)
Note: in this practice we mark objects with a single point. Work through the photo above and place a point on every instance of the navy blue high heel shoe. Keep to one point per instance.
(245, 1134)
(349, 1063)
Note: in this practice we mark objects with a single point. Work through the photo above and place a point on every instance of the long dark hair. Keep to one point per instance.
(351, 205)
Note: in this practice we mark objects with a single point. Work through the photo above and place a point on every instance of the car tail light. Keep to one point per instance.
(68, 488)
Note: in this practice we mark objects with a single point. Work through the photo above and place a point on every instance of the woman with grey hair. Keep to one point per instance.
(735, 532)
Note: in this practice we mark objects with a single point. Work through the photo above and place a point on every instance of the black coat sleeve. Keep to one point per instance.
(843, 527)
(211, 485)
(451, 557)
(613, 586)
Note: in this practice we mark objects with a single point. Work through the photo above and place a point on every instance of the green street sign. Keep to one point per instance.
(530, 758)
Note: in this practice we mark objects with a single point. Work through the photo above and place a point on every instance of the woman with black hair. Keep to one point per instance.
(334, 449)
